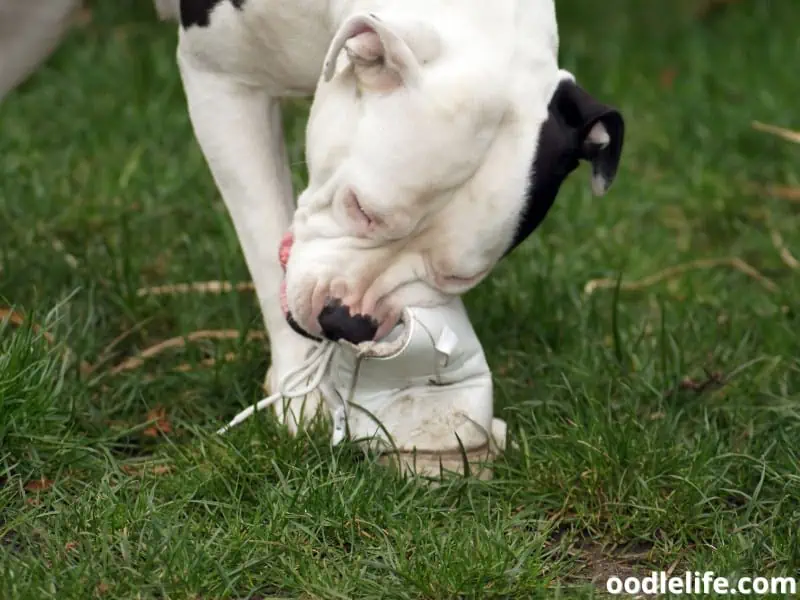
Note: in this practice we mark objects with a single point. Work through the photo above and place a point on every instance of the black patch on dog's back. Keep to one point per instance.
(197, 12)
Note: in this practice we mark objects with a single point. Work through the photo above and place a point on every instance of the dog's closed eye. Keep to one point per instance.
(460, 280)
(455, 283)
(364, 221)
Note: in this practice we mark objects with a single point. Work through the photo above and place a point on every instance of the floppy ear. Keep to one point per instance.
(595, 130)
(384, 55)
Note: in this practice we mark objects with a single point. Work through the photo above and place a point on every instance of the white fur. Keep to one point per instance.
(426, 114)
(430, 117)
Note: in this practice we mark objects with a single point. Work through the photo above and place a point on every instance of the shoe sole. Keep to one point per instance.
(436, 465)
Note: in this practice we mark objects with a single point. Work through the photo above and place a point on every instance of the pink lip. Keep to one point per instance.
(284, 251)
(284, 300)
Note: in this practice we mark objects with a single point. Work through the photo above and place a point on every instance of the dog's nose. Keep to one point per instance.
(338, 324)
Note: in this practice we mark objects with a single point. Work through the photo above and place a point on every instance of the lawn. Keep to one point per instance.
(645, 345)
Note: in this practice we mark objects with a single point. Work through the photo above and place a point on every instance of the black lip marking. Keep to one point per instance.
(337, 323)
(198, 12)
(299, 330)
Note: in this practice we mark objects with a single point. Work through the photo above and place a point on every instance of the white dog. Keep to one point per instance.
(439, 135)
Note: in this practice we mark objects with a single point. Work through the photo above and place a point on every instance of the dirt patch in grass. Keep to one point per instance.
(595, 562)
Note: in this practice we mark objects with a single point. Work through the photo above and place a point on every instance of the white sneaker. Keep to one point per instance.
(422, 397)
(423, 394)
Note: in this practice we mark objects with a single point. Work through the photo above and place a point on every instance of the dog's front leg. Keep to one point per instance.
(239, 130)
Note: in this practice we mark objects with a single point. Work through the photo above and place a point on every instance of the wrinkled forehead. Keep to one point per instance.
(430, 137)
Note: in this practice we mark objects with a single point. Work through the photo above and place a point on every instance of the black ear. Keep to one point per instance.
(578, 127)
(595, 130)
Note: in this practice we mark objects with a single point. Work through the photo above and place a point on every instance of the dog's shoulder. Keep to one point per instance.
(218, 35)
(277, 44)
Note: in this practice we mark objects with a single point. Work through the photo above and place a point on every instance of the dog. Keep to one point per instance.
(439, 134)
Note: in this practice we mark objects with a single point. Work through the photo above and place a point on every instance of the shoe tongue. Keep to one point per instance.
(444, 345)
(411, 355)
(447, 342)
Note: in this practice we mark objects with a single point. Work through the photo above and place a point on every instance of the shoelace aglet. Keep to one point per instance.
(314, 367)
(248, 412)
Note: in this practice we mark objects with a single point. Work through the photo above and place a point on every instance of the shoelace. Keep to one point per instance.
(313, 370)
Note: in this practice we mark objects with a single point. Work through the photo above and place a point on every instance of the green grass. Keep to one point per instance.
(620, 466)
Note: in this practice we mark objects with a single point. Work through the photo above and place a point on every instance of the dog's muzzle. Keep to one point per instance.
(335, 319)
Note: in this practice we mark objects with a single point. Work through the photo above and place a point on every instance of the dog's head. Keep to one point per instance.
(430, 158)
